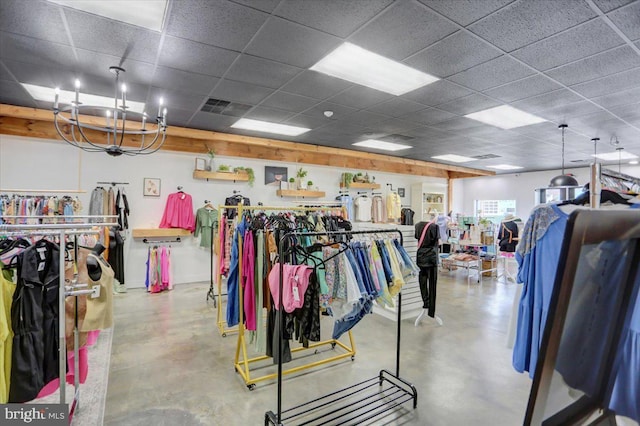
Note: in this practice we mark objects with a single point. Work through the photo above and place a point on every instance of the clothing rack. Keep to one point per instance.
(211, 293)
(240, 208)
(147, 241)
(62, 230)
(357, 408)
(112, 183)
(46, 191)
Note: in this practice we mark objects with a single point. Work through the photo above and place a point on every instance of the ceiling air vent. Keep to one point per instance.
(579, 161)
(396, 138)
(219, 106)
(486, 156)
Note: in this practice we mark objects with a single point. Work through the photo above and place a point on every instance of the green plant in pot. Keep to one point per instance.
(300, 175)
(224, 168)
(292, 183)
(346, 179)
(248, 171)
(309, 185)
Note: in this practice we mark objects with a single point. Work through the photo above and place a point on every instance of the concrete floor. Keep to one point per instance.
(170, 366)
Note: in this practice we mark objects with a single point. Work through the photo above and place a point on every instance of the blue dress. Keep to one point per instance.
(537, 254)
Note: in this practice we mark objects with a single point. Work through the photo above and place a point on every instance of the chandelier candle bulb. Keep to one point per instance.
(108, 114)
(160, 106)
(124, 96)
(144, 120)
(55, 102)
(77, 92)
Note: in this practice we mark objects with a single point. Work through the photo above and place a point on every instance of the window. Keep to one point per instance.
(495, 208)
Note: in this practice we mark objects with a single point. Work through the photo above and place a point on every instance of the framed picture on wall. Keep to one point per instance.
(401, 192)
(151, 187)
(275, 175)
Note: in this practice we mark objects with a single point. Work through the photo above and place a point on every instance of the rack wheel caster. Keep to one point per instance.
(315, 352)
(333, 345)
(353, 357)
(224, 334)
(251, 387)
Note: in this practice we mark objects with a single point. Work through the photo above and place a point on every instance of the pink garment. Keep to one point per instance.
(248, 281)
(164, 267)
(294, 285)
(221, 234)
(178, 213)
(92, 337)
(83, 366)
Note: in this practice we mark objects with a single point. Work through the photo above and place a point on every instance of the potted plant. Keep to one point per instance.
(310, 185)
(224, 168)
(358, 177)
(292, 183)
(346, 179)
(300, 175)
(209, 162)
(248, 171)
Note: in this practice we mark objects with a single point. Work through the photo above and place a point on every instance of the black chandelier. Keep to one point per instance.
(116, 126)
(563, 179)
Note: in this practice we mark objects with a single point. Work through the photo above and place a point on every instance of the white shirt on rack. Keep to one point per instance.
(363, 209)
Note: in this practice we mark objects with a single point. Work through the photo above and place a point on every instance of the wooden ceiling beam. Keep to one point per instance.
(37, 123)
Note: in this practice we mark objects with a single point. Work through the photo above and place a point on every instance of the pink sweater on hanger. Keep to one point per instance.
(178, 213)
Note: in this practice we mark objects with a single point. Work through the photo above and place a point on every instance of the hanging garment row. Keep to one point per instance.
(111, 202)
(338, 278)
(538, 256)
(376, 209)
(30, 317)
(39, 205)
(159, 276)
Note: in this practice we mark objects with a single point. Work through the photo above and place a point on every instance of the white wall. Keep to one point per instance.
(517, 186)
(37, 164)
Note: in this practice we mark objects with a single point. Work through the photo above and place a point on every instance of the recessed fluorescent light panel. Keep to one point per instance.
(454, 158)
(385, 146)
(47, 94)
(142, 13)
(634, 162)
(357, 65)
(504, 167)
(615, 156)
(505, 117)
(265, 126)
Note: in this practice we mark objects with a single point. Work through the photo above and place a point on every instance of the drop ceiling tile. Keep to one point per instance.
(184, 81)
(209, 121)
(105, 85)
(458, 123)
(624, 97)
(38, 19)
(365, 118)
(195, 57)
(396, 107)
(469, 104)
(41, 75)
(492, 73)
(562, 113)
(360, 97)
(402, 30)
(339, 111)
(609, 5)
(464, 12)
(547, 101)
(98, 64)
(311, 121)
(216, 22)
(344, 127)
(263, 72)
(289, 102)
(264, 5)
(525, 88)
(393, 125)
(337, 18)
(601, 65)
(428, 116)
(175, 99)
(4, 73)
(92, 32)
(437, 93)
(11, 91)
(579, 42)
(291, 43)
(272, 115)
(178, 117)
(627, 19)
(315, 85)
(16, 47)
(452, 55)
(610, 84)
(240, 92)
(525, 22)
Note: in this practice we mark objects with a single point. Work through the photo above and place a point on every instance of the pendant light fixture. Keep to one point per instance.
(76, 129)
(563, 179)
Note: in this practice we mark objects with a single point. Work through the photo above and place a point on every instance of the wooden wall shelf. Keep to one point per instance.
(236, 177)
(300, 193)
(160, 232)
(359, 185)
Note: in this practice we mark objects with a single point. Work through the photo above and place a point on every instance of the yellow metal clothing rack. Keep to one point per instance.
(220, 321)
(242, 362)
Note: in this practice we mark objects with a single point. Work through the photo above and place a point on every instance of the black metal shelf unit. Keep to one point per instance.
(355, 404)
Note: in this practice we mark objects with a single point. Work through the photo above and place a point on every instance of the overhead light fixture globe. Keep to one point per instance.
(563, 179)
(116, 126)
